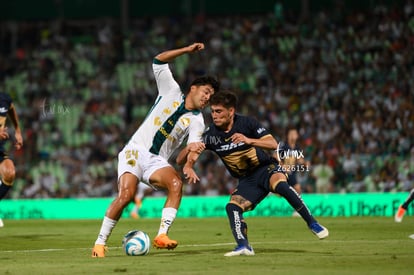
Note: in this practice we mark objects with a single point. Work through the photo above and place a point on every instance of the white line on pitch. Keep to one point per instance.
(204, 245)
(115, 247)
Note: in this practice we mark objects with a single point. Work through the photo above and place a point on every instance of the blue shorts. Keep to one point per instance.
(255, 186)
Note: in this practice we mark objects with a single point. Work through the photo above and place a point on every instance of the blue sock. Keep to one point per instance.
(237, 224)
(286, 191)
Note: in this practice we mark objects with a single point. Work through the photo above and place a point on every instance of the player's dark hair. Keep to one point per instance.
(207, 80)
(226, 98)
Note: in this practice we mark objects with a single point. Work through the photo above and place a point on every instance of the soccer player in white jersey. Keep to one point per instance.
(173, 117)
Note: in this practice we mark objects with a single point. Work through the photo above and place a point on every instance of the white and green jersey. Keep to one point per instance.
(168, 123)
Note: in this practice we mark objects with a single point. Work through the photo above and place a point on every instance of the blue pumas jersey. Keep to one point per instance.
(5, 102)
(240, 159)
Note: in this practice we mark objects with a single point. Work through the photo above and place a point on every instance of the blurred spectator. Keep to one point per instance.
(323, 174)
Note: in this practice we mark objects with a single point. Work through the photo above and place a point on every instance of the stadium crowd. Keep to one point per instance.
(345, 80)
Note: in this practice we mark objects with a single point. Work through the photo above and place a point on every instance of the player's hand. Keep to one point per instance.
(190, 175)
(195, 47)
(197, 147)
(239, 138)
(4, 134)
(19, 140)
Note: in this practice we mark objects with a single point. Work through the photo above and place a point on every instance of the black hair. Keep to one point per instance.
(226, 98)
(207, 80)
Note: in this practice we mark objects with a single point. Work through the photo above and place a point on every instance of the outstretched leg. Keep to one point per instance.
(279, 185)
(127, 188)
(167, 178)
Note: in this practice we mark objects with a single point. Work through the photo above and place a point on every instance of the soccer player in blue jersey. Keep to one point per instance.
(173, 118)
(7, 169)
(240, 142)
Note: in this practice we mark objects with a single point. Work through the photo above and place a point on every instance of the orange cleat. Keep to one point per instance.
(99, 250)
(162, 241)
(400, 214)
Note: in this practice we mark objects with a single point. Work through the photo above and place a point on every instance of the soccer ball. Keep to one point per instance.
(136, 243)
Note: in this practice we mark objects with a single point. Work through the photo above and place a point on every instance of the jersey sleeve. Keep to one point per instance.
(257, 130)
(166, 83)
(196, 129)
(5, 103)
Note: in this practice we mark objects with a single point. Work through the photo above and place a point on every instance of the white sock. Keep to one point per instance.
(167, 219)
(106, 229)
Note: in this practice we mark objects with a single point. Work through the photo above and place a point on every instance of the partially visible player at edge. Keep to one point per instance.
(240, 142)
(7, 169)
(172, 118)
(399, 215)
(288, 155)
(143, 191)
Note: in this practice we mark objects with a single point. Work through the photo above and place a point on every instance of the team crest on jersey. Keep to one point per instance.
(176, 104)
(167, 111)
(157, 121)
(185, 121)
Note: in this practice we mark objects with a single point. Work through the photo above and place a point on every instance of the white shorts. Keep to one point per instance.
(139, 162)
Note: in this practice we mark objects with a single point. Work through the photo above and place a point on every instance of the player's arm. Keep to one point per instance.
(188, 156)
(164, 78)
(188, 170)
(267, 142)
(170, 55)
(182, 156)
(15, 121)
(196, 147)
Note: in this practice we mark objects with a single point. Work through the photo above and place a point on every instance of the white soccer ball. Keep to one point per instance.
(136, 243)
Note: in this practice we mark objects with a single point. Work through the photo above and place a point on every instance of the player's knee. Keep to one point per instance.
(242, 203)
(8, 176)
(275, 180)
(175, 186)
(125, 198)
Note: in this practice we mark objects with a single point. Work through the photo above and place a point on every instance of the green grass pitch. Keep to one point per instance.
(356, 245)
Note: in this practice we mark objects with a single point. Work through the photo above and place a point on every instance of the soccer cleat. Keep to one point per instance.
(241, 251)
(400, 214)
(99, 250)
(162, 241)
(134, 215)
(320, 231)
